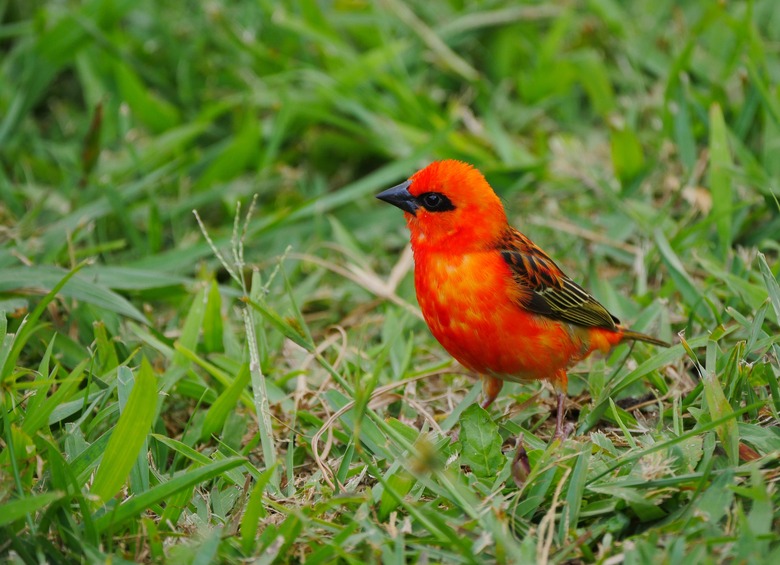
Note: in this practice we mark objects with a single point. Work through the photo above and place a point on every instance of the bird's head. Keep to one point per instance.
(449, 204)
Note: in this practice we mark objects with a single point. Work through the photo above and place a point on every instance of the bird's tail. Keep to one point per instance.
(636, 336)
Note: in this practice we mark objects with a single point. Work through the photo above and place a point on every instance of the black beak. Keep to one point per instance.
(401, 197)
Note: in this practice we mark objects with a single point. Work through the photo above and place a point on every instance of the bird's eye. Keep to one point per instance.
(435, 202)
(432, 200)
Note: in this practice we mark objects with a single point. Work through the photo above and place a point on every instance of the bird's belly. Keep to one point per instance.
(472, 312)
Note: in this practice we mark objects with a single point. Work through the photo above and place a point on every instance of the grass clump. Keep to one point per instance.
(287, 403)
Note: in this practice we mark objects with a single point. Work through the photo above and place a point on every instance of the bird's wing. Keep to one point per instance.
(546, 290)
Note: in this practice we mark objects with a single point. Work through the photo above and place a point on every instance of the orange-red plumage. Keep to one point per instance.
(491, 297)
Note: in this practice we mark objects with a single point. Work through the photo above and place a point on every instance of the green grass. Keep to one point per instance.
(287, 403)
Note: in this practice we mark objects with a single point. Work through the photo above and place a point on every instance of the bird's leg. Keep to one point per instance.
(560, 383)
(562, 429)
(491, 386)
(559, 418)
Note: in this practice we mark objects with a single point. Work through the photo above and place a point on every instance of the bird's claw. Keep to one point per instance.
(564, 432)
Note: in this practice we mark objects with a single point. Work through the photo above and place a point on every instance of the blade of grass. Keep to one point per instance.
(720, 179)
(130, 509)
(28, 326)
(772, 286)
(128, 436)
(13, 510)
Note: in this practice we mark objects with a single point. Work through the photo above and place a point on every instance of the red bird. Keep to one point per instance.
(494, 300)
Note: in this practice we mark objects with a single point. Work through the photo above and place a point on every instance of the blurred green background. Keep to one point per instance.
(315, 106)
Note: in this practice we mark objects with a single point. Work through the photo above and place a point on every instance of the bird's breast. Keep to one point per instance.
(470, 303)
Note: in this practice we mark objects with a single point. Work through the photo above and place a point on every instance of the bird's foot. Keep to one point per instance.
(563, 432)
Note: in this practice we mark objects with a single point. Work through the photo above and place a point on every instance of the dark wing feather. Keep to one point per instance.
(546, 290)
